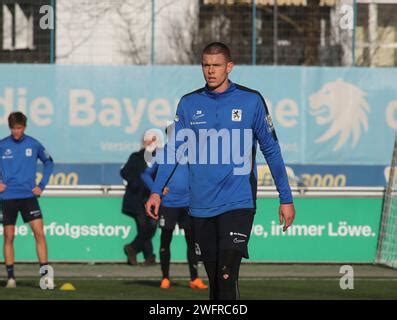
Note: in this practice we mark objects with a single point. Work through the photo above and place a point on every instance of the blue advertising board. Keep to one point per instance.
(328, 120)
(299, 175)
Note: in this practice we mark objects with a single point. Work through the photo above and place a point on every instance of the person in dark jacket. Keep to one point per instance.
(135, 196)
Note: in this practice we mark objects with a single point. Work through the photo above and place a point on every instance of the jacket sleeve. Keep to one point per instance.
(266, 136)
(147, 176)
(1, 166)
(48, 166)
(166, 168)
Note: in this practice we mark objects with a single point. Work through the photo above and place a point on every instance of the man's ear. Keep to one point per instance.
(229, 67)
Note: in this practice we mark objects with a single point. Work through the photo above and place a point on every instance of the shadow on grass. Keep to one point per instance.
(146, 283)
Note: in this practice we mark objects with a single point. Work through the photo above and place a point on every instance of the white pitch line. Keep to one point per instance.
(185, 279)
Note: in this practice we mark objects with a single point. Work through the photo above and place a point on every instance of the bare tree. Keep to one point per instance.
(130, 20)
(184, 38)
(78, 20)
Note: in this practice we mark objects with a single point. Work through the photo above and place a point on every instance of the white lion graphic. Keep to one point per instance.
(342, 105)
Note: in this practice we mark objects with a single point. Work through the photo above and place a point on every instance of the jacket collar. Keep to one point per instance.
(19, 140)
(214, 94)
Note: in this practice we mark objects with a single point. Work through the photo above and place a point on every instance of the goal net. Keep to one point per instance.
(387, 240)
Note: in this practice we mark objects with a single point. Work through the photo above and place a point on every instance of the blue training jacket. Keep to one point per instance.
(19, 165)
(216, 188)
(178, 195)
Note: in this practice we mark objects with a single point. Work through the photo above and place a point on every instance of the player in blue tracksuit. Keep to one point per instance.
(173, 210)
(19, 191)
(223, 177)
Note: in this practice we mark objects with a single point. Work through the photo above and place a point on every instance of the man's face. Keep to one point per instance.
(150, 143)
(17, 131)
(216, 69)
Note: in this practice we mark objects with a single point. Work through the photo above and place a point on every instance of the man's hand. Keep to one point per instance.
(166, 190)
(37, 191)
(286, 213)
(2, 187)
(152, 206)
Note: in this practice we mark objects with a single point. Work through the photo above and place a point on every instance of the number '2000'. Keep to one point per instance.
(61, 179)
(327, 180)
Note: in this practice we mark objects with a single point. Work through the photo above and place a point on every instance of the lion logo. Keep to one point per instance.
(343, 107)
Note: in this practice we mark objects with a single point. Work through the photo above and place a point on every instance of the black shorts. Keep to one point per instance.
(228, 231)
(29, 208)
(169, 217)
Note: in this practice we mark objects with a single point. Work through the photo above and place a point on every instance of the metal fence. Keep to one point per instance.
(265, 32)
(263, 192)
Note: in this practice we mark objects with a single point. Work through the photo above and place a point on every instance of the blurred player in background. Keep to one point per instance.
(222, 198)
(136, 193)
(19, 191)
(173, 210)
